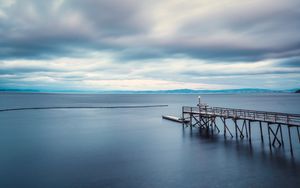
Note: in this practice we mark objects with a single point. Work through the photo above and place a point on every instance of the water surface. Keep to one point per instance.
(135, 147)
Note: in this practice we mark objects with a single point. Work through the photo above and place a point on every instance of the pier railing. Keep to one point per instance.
(254, 115)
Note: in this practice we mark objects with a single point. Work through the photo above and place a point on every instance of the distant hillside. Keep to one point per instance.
(19, 90)
(298, 91)
(248, 90)
(175, 91)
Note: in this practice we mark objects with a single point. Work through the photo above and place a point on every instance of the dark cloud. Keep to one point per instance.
(15, 71)
(292, 62)
(33, 30)
(112, 17)
(239, 31)
(252, 73)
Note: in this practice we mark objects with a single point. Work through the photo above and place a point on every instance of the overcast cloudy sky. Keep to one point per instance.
(149, 44)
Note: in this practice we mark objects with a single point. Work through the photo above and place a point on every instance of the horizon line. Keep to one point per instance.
(169, 91)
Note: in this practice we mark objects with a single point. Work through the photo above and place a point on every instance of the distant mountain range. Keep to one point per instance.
(175, 91)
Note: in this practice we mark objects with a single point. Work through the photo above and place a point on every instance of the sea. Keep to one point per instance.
(135, 147)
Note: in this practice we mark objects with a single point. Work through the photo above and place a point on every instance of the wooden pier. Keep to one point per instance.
(205, 118)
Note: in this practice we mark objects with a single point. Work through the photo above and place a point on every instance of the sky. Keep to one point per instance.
(149, 44)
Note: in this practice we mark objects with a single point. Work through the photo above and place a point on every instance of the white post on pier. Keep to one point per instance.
(199, 103)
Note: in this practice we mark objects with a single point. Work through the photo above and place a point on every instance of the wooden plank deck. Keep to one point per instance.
(252, 115)
(176, 119)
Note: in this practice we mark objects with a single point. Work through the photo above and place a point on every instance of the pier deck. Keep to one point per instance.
(252, 115)
(176, 119)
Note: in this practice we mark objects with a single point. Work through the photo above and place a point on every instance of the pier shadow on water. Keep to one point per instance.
(255, 150)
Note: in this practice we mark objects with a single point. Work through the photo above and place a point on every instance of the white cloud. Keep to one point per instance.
(129, 44)
(105, 74)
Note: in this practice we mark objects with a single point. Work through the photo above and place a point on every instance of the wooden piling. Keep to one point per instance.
(249, 125)
(261, 132)
(281, 135)
(182, 117)
(269, 135)
(290, 139)
(224, 127)
(235, 124)
(298, 134)
(244, 125)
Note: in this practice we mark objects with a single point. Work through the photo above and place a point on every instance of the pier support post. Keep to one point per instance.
(291, 147)
(261, 132)
(245, 126)
(191, 119)
(275, 134)
(182, 117)
(281, 135)
(200, 126)
(211, 126)
(269, 136)
(298, 133)
(249, 125)
(277, 129)
(191, 122)
(224, 126)
(207, 125)
(235, 123)
(215, 124)
(240, 130)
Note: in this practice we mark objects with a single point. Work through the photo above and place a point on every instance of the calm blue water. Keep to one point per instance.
(135, 147)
